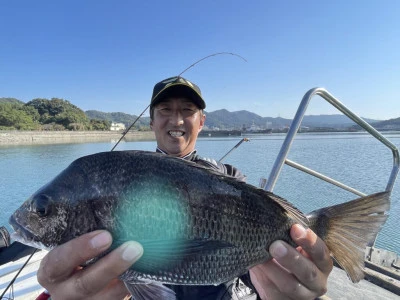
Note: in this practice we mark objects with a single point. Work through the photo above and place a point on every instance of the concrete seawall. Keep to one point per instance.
(64, 137)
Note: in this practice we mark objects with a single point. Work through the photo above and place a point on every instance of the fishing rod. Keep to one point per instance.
(234, 147)
(16, 275)
(215, 54)
(191, 66)
(126, 131)
(116, 144)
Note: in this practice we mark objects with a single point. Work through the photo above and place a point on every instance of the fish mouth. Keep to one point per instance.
(24, 236)
(21, 234)
(176, 133)
(18, 238)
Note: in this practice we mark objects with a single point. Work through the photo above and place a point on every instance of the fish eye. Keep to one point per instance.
(41, 205)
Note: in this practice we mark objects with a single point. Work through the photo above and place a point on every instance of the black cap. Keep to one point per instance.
(177, 87)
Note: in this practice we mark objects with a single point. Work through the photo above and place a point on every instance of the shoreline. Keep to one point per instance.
(15, 137)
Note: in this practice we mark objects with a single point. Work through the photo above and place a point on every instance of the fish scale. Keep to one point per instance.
(196, 226)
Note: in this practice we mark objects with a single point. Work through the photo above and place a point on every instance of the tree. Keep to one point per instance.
(31, 111)
(99, 124)
(60, 112)
(11, 100)
(16, 116)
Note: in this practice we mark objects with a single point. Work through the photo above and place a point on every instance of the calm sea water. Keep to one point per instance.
(357, 160)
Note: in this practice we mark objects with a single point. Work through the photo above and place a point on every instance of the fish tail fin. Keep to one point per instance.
(348, 228)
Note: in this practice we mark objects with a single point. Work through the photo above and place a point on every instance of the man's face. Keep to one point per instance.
(176, 124)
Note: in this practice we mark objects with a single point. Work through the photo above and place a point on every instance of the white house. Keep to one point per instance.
(117, 126)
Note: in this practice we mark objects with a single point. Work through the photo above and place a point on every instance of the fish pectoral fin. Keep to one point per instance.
(149, 291)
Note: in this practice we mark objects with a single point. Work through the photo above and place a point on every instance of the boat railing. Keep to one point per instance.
(294, 127)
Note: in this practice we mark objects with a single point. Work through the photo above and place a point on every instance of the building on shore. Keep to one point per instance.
(117, 126)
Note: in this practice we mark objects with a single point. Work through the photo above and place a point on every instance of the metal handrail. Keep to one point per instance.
(294, 127)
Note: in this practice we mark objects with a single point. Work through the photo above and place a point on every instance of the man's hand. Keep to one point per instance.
(300, 273)
(60, 274)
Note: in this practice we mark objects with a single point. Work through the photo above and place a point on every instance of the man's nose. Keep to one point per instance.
(176, 118)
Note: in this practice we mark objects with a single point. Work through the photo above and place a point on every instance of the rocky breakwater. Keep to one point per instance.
(59, 137)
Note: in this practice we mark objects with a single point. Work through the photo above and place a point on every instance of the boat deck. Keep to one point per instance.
(340, 287)
(26, 286)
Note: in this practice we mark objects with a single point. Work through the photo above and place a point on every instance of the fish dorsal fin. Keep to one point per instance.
(293, 212)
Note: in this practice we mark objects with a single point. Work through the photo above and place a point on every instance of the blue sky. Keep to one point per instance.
(107, 55)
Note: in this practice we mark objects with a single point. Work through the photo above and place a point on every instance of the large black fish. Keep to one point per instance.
(197, 227)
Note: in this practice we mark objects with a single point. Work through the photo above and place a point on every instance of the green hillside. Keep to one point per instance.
(60, 114)
(45, 114)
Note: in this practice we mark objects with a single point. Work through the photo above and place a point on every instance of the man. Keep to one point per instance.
(177, 117)
(176, 113)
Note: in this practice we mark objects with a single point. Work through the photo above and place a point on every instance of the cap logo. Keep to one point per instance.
(189, 83)
(160, 87)
(172, 80)
(168, 84)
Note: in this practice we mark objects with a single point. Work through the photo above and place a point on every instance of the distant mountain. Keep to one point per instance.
(337, 121)
(223, 119)
(11, 100)
(392, 124)
(118, 117)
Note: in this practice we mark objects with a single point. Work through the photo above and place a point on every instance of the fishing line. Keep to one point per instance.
(16, 275)
(218, 53)
(126, 131)
(180, 74)
(234, 147)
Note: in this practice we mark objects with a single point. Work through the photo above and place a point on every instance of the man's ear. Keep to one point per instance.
(202, 121)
